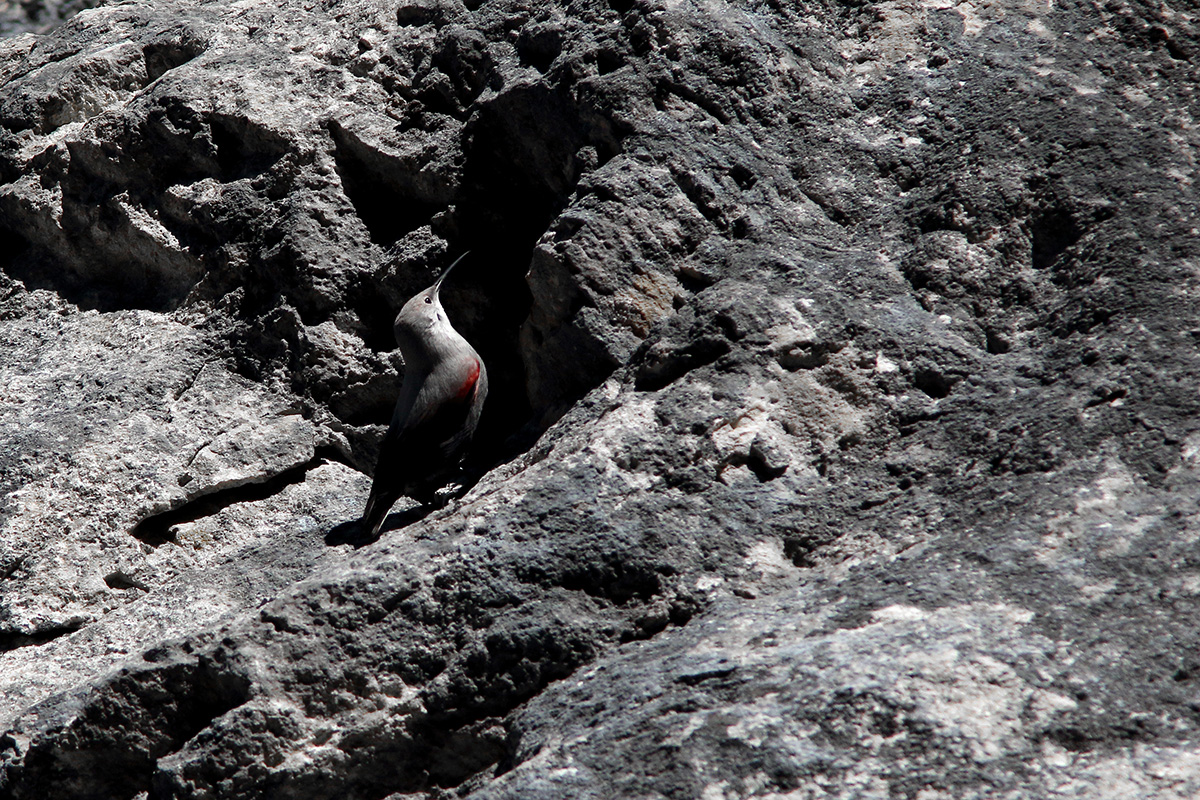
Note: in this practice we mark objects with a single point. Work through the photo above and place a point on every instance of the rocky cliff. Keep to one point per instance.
(843, 434)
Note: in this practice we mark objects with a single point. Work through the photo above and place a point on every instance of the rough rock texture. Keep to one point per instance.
(18, 16)
(843, 436)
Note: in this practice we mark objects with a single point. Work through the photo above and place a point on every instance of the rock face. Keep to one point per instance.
(843, 437)
(17, 16)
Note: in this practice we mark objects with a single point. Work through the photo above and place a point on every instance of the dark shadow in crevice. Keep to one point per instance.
(122, 582)
(933, 383)
(244, 149)
(14, 641)
(458, 755)
(15, 253)
(109, 254)
(156, 530)
(110, 746)
(121, 287)
(171, 52)
(378, 316)
(10, 569)
(538, 46)
(996, 342)
(1051, 230)
(386, 199)
(702, 195)
(87, 274)
(524, 153)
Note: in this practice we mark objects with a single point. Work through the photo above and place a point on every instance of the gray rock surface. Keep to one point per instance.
(39, 16)
(842, 438)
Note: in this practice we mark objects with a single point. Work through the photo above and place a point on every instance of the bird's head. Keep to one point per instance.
(422, 320)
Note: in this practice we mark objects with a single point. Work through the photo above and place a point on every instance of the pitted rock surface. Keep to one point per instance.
(842, 437)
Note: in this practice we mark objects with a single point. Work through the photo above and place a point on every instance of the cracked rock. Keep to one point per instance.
(842, 431)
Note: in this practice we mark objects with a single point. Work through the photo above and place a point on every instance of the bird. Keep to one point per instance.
(441, 397)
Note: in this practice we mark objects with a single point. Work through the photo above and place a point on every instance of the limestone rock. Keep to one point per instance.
(843, 431)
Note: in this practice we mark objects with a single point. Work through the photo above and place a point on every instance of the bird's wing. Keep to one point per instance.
(420, 449)
(424, 443)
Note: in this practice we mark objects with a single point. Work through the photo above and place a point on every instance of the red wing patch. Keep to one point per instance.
(468, 385)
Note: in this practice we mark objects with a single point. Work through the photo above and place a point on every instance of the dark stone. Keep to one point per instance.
(843, 428)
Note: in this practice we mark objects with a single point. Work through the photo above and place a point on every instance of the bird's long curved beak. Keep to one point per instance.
(437, 287)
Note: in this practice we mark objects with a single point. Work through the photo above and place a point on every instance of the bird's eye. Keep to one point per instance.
(428, 299)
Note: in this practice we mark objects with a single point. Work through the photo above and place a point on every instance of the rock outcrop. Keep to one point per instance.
(842, 438)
